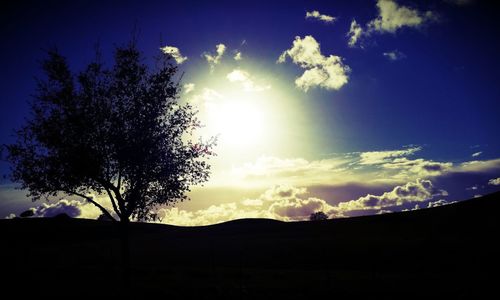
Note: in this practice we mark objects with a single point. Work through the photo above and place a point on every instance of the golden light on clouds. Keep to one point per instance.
(250, 111)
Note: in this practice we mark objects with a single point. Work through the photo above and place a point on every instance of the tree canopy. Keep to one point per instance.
(318, 216)
(118, 132)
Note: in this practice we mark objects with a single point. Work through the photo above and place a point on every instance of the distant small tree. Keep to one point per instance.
(318, 216)
(27, 213)
(118, 131)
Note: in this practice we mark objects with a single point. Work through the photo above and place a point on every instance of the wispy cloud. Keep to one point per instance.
(175, 53)
(391, 18)
(214, 59)
(297, 171)
(417, 167)
(381, 157)
(243, 77)
(328, 72)
(188, 88)
(371, 167)
(205, 97)
(439, 202)
(476, 154)
(394, 55)
(318, 16)
(354, 34)
(494, 181)
(479, 166)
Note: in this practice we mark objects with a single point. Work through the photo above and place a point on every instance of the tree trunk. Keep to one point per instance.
(125, 245)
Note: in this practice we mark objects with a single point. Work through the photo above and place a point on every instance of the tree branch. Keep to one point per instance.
(112, 199)
(89, 199)
(119, 179)
(119, 199)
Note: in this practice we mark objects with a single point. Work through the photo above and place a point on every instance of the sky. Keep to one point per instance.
(346, 107)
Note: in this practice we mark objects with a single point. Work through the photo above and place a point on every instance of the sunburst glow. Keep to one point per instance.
(238, 122)
(244, 108)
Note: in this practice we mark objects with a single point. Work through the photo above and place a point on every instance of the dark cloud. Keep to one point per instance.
(70, 208)
(397, 199)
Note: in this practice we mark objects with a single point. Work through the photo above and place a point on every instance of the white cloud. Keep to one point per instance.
(72, 208)
(298, 209)
(354, 34)
(188, 88)
(326, 72)
(252, 202)
(479, 166)
(175, 53)
(380, 157)
(394, 55)
(292, 171)
(418, 191)
(494, 181)
(10, 216)
(238, 75)
(283, 191)
(238, 56)
(301, 192)
(380, 167)
(416, 207)
(372, 170)
(472, 188)
(214, 59)
(245, 79)
(318, 16)
(437, 203)
(393, 17)
(404, 168)
(211, 215)
(180, 217)
(476, 154)
(206, 97)
(289, 203)
(286, 203)
(304, 52)
(420, 167)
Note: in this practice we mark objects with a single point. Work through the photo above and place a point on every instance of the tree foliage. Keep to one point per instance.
(118, 131)
(318, 216)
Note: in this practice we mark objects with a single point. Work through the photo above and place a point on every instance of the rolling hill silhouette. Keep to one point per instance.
(449, 251)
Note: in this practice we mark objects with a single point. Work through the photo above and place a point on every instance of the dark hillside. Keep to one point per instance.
(449, 251)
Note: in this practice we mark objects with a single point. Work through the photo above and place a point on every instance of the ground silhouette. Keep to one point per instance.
(449, 251)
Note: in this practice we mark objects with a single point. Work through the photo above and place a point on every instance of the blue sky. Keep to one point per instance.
(404, 103)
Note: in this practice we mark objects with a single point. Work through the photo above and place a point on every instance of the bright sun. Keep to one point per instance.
(242, 107)
(237, 122)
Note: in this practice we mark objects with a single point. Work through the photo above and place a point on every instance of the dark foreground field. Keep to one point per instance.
(445, 252)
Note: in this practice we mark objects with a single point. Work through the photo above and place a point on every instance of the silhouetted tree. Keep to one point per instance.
(118, 131)
(27, 213)
(318, 216)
